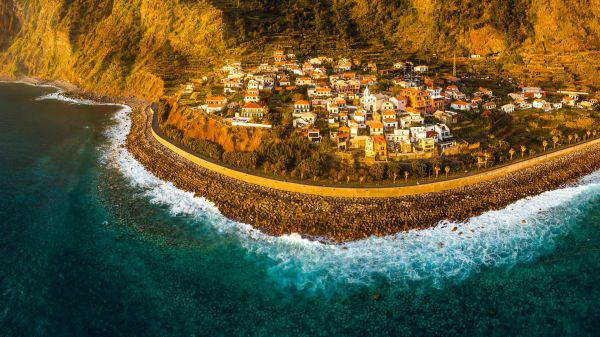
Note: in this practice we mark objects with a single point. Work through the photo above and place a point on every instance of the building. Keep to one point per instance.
(489, 106)
(418, 99)
(375, 128)
(487, 92)
(376, 148)
(460, 105)
(421, 69)
(533, 92)
(251, 98)
(253, 110)
(446, 117)
(301, 106)
(508, 108)
(313, 135)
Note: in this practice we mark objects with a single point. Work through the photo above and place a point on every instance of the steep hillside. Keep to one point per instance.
(138, 47)
(118, 47)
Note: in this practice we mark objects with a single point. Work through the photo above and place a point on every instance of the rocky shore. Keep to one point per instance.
(346, 219)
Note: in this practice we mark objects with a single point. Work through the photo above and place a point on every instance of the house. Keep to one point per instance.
(251, 98)
(253, 110)
(303, 119)
(443, 136)
(301, 106)
(360, 116)
(538, 103)
(417, 132)
(303, 81)
(216, 100)
(313, 135)
(284, 82)
(398, 135)
(426, 144)
(399, 103)
(508, 108)
(489, 106)
(446, 117)
(322, 92)
(353, 126)
(343, 138)
(390, 123)
(387, 114)
(376, 148)
(418, 99)
(421, 69)
(568, 100)
(460, 105)
(333, 108)
(487, 92)
(375, 128)
(533, 92)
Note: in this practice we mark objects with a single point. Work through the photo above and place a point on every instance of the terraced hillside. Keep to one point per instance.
(139, 47)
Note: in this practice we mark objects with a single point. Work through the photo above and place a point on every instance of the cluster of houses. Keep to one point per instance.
(382, 124)
(535, 98)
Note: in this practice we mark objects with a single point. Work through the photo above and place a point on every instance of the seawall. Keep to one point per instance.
(338, 219)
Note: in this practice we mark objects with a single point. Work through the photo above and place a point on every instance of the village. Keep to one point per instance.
(412, 116)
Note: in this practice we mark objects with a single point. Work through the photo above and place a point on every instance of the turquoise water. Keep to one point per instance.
(93, 245)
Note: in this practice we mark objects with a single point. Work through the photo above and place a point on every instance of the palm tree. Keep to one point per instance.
(395, 176)
(576, 136)
(594, 133)
(523, 148)
(511, 152)
(555, 140)
(589, 133)
(487, 157)
(406, 174)
(545, 145)
(437, 171)
(447, 169)
(570, 139)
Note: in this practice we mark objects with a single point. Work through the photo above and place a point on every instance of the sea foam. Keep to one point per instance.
(518, 233)
(448, 252)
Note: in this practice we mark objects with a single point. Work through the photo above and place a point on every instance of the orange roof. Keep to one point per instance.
(378, 139)
(216, 98)
(251, 105)
(460, 103)
(376, 125)
(216, 105)
(301, 102)
(344, 129)
(323, 89)
(390, 120)
(389, 112)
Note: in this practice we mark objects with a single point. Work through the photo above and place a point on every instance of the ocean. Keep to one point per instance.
(91, 244)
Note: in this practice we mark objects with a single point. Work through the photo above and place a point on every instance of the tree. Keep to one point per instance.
(418, 168)
(570, 139)
(447, 169)
(555, 140)
(437, 171)
(523, 149)
(511, 152)
(545, 145)
(406, 174)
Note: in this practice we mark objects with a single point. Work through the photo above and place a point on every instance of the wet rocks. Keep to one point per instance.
(346, 219)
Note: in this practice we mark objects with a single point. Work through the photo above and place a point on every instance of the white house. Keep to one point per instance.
(301, 106)
(508, 108)
(460, 105)
(421, 69)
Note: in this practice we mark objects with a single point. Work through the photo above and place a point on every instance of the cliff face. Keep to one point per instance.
(138, 47)
(115, 47)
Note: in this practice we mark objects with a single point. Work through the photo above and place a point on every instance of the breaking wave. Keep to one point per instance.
(449, 252)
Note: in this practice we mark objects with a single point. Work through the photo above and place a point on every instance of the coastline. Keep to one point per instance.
(342, 219)
(333, 219)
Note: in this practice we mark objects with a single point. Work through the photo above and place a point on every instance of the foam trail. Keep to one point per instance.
(519, 233)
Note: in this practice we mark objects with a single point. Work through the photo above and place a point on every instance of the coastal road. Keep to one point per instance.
(353, 191)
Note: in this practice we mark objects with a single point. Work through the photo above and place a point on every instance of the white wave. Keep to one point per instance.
(518, 233)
